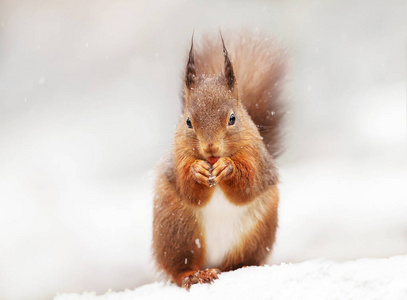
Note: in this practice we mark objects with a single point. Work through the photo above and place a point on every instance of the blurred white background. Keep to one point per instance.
(89, 102)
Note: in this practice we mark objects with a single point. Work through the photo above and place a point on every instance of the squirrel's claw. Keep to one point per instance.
(209, 175)
(222, 169)
(200, 170)
(200, 276)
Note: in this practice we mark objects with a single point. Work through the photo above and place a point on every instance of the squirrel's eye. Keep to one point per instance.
(232, 119)
(189, 124)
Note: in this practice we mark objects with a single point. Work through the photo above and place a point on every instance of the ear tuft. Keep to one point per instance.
(229, 74)
(190, 76)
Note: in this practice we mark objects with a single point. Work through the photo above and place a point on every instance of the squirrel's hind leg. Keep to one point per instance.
(256, 247)
(177, 240)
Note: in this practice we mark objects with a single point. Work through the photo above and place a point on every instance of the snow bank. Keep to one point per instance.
(316, 279)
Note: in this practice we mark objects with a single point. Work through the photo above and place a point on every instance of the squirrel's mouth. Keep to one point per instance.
(212, 159)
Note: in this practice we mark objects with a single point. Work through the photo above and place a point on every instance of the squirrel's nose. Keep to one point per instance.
(211, 148)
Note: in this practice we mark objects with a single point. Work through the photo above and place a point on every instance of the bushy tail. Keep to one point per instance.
(258, 64)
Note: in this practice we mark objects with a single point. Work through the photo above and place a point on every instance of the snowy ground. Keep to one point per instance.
(88, 104)
(361, 279)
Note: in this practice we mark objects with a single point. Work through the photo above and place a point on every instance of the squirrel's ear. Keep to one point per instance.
(190, 75)
(229, 75)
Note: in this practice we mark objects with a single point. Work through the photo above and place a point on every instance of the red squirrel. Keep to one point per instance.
(216, 197)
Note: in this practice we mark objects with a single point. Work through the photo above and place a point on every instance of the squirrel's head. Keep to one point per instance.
(214, 123)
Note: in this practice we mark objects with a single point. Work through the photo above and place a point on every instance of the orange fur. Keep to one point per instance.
(259, 66)
(244, 85)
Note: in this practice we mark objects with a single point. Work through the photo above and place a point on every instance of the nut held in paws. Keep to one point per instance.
(212, 160)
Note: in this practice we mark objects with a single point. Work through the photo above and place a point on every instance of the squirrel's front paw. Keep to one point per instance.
(200, 171)
(221, 170)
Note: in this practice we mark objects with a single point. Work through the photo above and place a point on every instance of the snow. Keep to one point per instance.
(360, 279)
(198, 243)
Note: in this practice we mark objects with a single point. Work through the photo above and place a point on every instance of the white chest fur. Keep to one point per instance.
(224, 226)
